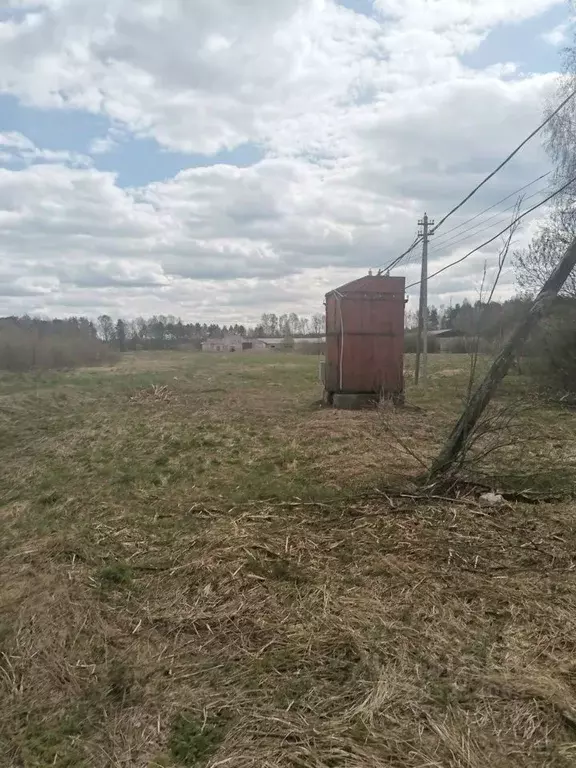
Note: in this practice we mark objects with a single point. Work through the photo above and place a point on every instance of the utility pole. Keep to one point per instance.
(422, 340)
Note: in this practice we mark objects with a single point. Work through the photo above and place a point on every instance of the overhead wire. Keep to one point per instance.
(491, 175)
(495, 205)
(418, 240)
(495, 237)
(409, 250)
(411, 257)
(513, 154)
(414, 253)
(457, 239)
(407, 257)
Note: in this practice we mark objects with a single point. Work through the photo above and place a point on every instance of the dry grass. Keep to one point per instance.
(153, 614)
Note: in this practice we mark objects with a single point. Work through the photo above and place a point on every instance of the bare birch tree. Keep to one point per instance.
(535, 263)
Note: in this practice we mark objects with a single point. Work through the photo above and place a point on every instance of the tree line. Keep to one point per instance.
(169, 332)
(28, 343)
(489, 320)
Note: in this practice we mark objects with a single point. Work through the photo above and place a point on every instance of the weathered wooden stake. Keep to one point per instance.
(501, 365)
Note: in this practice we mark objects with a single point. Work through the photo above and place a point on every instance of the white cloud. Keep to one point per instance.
(14, 147)
(15, 142)
(558, 35)
(204, 75)
(365, 122)
(452, 14)
(102, 145)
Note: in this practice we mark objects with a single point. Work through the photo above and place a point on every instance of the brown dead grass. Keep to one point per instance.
(321, 636)
(156, 609)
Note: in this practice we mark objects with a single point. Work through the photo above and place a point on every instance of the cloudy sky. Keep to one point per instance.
(215, 159)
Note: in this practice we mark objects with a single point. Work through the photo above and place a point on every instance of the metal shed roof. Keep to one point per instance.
(370, 284)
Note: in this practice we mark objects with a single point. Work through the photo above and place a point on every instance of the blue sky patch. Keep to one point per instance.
(14, 14)
(141, 161)
(522, 43)
(360, 6)
(137, 161)
(51, 128)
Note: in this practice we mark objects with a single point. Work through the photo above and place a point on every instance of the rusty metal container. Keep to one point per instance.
(365, 337)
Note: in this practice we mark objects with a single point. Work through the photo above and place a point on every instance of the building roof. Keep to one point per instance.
(446, 333)
(373, 284)
(230, 337)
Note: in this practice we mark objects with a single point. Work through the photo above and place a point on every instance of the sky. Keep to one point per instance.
(218, 159)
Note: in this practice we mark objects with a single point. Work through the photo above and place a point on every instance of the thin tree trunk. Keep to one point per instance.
(477, 404)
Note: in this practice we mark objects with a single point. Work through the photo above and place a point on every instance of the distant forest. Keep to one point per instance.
(168, 332)
(28, 343)
(159, 331)
(489, 321)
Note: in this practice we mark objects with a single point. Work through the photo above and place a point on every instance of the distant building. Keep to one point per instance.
(229, 343)
(234, 343)
(274, 342)
(445, 337)
(447, 333)
(310, 340)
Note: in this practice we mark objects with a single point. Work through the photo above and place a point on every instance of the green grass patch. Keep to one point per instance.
(193, 741)
(115, 575)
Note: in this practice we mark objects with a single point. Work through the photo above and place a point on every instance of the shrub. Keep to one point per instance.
(310, 348)
(550, 354)
(411, 341)
(459, 345)
(28, 345)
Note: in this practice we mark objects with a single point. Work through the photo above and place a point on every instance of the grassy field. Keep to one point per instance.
(200, 566)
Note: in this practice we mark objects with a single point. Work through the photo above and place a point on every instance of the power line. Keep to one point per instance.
(510, 156)
(457, 239)
(439, 245)
(487, 179)
(392, 264)
(418, 240)
(491, 240)
(490, 208)
(410, 256)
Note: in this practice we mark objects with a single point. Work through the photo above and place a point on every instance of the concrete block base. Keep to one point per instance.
(355, 402)
(360, 401)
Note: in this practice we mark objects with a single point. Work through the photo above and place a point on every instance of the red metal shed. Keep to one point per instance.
(365, 337)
